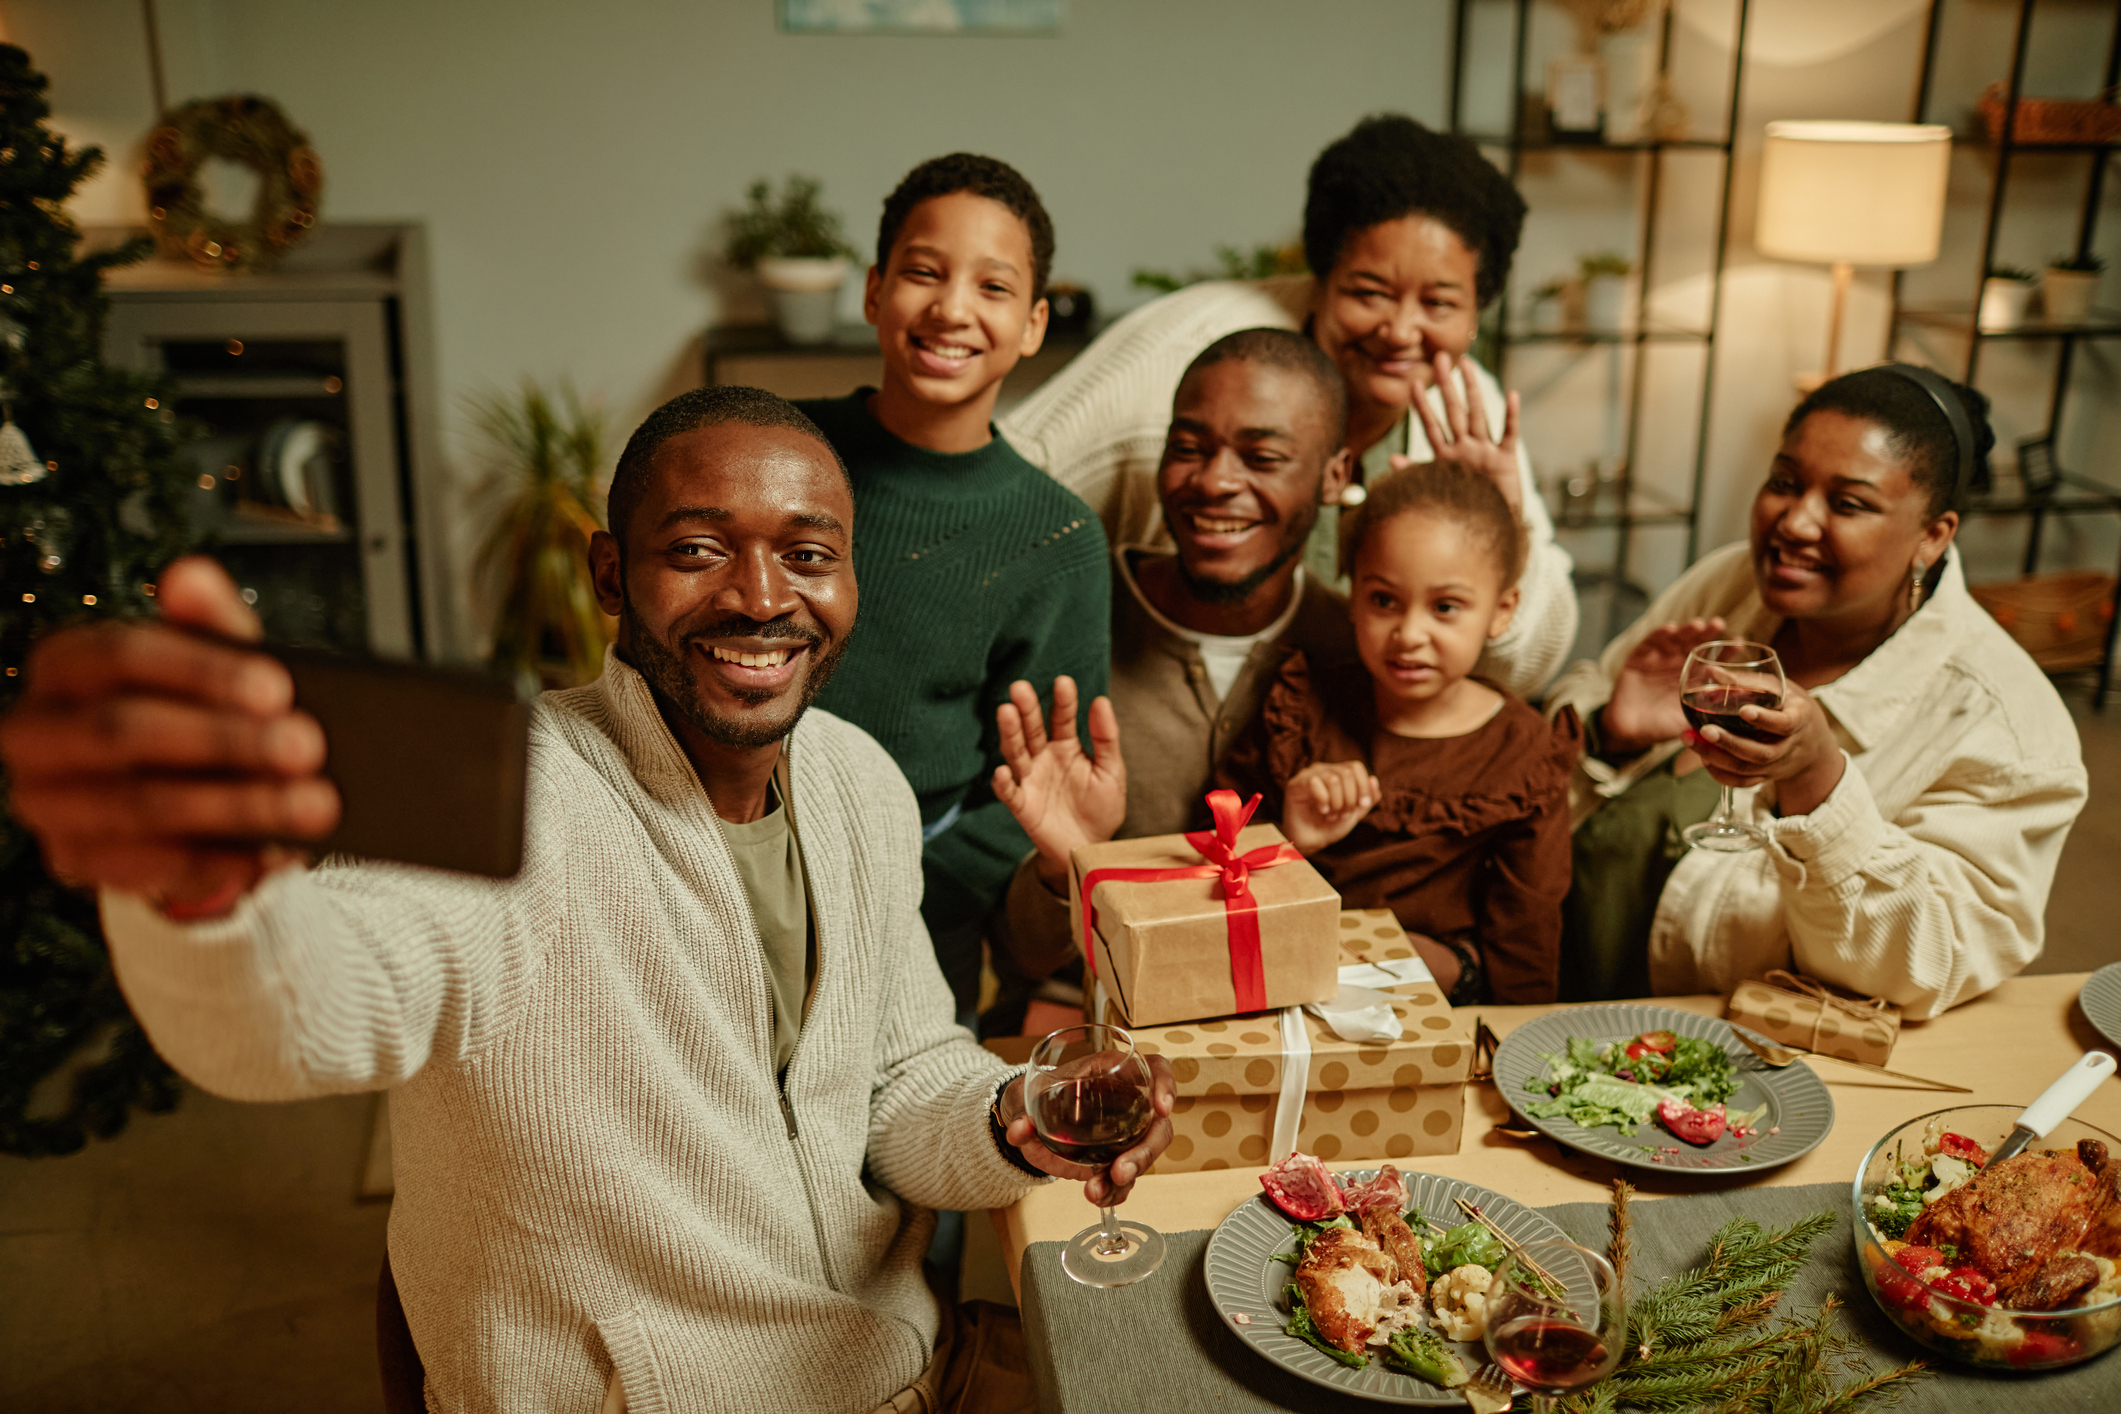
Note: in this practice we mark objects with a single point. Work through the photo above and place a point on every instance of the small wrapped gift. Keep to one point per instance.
(1801, 1011)
(1250, 1088)
(1213, 923)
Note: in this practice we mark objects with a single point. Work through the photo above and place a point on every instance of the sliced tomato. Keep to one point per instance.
(1662, 1042)
(2037, 1347)
(1917, 1260)
(1636, 1050)
(1696, 1126)
(1961, 1147)
(1896, 1286)
(1969, 1285)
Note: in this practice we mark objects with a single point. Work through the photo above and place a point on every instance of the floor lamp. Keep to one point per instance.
(1848, 194)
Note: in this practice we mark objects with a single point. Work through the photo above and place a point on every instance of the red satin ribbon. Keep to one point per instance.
(1248, 974)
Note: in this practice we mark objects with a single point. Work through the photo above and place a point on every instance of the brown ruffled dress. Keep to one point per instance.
(1470, 844)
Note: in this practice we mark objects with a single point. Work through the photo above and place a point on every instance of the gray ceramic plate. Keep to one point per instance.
(1800, 1112)
(1245, 1282)
(2101, 1000)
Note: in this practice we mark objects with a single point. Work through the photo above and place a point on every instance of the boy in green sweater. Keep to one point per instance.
(976, 568)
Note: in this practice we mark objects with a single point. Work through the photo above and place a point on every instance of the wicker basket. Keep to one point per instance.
(2061, 619)
(2043, 120)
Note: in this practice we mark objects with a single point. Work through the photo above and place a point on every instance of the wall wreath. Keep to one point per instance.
(245, 129)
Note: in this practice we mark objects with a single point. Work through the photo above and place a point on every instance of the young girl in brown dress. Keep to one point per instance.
(1411, 784)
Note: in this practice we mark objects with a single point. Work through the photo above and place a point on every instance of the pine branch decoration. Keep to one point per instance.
(1702, 1340)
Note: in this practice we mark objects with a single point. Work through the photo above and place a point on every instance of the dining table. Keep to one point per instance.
(2005, 1047)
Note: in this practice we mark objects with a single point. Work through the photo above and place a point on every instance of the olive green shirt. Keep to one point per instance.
(771, 867)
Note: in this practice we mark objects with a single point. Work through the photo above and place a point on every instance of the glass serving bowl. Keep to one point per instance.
(1967, 1331)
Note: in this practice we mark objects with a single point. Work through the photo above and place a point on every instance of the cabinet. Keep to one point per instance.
(311, 387)
(1663, 149)
(1970, 49)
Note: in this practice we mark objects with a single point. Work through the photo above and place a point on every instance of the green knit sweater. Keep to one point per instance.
(975, 569)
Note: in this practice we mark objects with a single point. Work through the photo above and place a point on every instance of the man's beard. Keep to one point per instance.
(1217, 591)
(668, 675)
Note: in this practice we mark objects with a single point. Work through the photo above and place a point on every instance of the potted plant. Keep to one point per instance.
(797, 250)
(1605, 291)
(541, 498)
(2067, 286)
(2004, 295)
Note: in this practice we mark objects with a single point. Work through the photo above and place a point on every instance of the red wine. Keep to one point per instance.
(1090, 1121)
(1549, 1357)
(1718, 706)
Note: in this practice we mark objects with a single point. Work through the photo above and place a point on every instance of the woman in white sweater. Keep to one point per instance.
(1409, 234)
(1920, 777)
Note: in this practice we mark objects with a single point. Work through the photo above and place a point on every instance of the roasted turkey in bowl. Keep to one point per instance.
(2013, 1266)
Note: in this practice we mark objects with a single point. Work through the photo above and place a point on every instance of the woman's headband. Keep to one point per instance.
(1954, 413)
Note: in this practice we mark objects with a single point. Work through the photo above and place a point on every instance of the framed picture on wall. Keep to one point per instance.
(1016, 17)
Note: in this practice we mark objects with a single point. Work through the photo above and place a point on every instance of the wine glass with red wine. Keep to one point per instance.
(1089, 1093)
(1720, 680)
(1555, 1320)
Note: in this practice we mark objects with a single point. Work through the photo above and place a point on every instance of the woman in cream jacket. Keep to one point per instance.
(1922, 775)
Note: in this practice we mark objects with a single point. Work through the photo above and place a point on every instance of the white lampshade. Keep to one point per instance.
(1853, 193)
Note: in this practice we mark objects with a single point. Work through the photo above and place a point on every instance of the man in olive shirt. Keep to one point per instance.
(1253, 451)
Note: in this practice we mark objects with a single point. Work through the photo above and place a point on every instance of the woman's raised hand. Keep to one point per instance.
(1803, 759)
(1324, 801)
(1062, 797)
(1644, 707)
(1461, 436)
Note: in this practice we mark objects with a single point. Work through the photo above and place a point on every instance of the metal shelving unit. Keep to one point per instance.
(2066, 492)
(1635, 511)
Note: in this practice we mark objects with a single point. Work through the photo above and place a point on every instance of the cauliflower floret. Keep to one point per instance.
(1459, 1299)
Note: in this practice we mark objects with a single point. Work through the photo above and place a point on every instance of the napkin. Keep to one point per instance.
(1358, 1011)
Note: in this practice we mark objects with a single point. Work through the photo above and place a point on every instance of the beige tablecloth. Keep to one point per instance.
(2007, 1046)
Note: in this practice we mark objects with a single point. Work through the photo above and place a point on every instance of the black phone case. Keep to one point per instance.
(430, 763)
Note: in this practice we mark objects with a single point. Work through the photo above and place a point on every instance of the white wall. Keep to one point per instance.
(572, 161)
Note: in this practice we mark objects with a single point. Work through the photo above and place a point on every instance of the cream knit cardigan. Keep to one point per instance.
(1923, 878)
(594, 1165)
(1098, 426)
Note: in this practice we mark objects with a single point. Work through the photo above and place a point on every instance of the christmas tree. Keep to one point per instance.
(91, 508)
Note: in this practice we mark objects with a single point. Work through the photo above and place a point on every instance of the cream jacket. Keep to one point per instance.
(1923, 878)
(1098, 425)
(596, 1171)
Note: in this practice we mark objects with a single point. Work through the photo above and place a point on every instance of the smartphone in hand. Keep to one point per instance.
(430, 763)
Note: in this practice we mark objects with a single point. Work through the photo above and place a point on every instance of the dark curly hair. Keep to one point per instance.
(687, 412)
(1452, 492)
(1389, 166)
(1917, 429)
(982, 176)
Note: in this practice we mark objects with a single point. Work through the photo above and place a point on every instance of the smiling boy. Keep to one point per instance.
(977, 568)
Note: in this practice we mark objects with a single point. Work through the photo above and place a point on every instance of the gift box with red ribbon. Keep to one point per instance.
(1208, 924)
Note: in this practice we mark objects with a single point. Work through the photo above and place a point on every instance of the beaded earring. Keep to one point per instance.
(1914, 586)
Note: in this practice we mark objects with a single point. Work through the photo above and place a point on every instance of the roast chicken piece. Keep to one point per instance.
(1348, 1285)
(1389, 1230)
(2011, 1220)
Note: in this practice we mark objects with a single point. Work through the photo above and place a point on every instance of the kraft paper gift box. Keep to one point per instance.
(1175, 949)
(1799, 1011)
(1362, 1102)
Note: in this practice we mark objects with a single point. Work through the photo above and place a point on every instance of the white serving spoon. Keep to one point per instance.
(2056, 1103)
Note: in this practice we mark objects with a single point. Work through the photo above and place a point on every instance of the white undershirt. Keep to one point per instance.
(1222, 655)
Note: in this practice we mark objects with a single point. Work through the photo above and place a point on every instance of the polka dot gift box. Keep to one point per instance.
(1799, 1011)
(1360, 1100)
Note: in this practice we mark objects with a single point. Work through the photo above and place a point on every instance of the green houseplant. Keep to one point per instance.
(2067, 287)
(799, 252)
(541, 498)
(2005, 293)
(1605, 290)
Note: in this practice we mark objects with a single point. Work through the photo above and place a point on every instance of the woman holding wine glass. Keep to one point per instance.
(1899, 814)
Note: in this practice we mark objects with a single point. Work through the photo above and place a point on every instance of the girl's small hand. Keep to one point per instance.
(1802, 757)
(1644, 707)
(1461, 437)
(1324, 801)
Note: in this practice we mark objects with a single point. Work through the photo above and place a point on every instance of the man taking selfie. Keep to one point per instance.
(670, 1107)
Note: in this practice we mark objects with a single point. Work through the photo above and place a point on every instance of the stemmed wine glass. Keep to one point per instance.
(1555, 1320)
(1719, 679)
(1089, 1094)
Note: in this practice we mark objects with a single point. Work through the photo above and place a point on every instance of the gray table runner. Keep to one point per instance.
(1159, 1344)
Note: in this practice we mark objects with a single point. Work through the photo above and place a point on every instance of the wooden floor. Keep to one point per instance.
(219, 1259)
